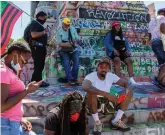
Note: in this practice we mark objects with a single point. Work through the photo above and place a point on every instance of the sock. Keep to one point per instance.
(95, 117)
(132, 80)
(118, 116)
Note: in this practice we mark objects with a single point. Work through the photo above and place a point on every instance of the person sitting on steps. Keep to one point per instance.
(99, 84)
(118, 49)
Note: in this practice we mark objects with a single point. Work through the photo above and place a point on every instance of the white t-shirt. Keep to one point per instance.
(154, 26)
(103, 85)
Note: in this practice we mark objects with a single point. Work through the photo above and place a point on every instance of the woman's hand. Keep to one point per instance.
(33, 86)
(27, 126)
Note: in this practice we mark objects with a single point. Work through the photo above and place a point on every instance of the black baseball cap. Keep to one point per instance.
(41, 13)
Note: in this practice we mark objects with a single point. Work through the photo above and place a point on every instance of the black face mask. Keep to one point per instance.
(41, 21)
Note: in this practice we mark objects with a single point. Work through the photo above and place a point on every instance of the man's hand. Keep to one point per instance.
(27, 126)
(46, 30)
(68, 44)
(112, 98)
(128, 53)
(116, 52)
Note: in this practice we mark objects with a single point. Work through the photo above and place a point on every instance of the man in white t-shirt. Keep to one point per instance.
(99, 84)
(157, 30)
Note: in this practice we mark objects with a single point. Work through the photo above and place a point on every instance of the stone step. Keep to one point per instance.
(138, 129)
(44, 99)
(131, 117)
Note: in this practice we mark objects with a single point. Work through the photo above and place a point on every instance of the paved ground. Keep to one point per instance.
(147, 106)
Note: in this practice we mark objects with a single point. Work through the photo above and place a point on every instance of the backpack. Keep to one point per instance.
(27, 35)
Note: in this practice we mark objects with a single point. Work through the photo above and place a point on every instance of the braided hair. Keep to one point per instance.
(17, 46)
(120, 33)
(64, 114)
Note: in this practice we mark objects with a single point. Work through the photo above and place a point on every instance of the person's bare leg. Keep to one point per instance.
(128, 62)
(123, 106)
(126, 102)
(117, 64)
(92, 105)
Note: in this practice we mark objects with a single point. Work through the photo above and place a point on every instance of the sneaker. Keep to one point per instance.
(132, 81)
(98, 125)
(71, 83)
(119, 125)
(44, 84)
(77, 82)
(62, 80)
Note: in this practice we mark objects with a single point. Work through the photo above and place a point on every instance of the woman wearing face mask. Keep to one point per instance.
(13, 90)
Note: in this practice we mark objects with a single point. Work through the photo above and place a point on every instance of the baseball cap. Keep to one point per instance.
(104, 60)
(41, 13)
(161, 10)
(67, 21)
(115, 23)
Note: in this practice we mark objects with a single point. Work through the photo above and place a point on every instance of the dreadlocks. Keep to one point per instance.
(17, 46)
(65, 112)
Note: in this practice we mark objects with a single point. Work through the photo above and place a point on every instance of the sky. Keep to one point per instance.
(24, 19)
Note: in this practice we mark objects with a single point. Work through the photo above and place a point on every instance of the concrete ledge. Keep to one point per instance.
(44, 99)
(131, 117)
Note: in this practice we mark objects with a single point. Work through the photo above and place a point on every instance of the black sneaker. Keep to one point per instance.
(44, 84)
(77, 82)
(62, 80)
(98, 126)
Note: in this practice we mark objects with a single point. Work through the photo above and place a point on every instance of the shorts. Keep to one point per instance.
(104, 106)
(123, 55)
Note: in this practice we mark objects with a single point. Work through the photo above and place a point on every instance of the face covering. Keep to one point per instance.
(16, 67)
(41, 21)
(74, 117)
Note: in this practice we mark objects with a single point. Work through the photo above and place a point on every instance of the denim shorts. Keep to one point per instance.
(9, 127)
(157, 47)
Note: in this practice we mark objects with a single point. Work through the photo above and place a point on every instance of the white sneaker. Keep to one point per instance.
(132, 81)
(98, 125)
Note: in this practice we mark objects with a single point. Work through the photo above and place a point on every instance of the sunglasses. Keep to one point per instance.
(24, 61)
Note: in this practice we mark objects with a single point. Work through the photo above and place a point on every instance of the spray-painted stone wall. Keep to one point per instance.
(93, 19)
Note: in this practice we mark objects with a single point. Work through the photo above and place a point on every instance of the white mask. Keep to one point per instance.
(16, 67)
